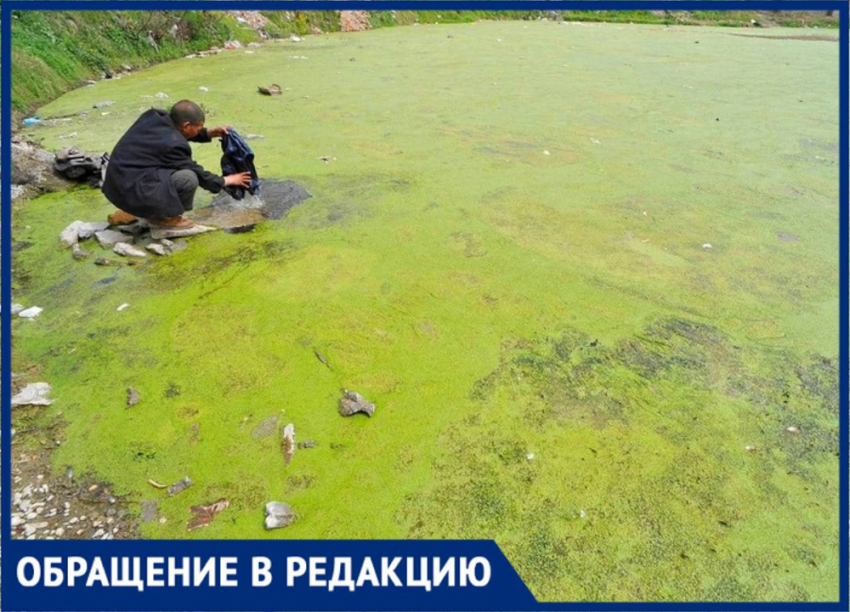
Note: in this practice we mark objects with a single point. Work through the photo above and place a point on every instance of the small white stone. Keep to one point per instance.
(530, 456)
(30, 313)
(546, 153)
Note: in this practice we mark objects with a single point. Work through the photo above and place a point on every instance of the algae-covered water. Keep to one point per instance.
(588, 274)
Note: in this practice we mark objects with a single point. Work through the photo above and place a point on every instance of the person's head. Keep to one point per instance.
(188, 118)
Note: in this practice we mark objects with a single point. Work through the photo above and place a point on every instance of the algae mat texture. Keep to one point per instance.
(506, 252)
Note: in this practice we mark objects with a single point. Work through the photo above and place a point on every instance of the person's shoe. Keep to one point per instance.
(178, 222)
(119, 217)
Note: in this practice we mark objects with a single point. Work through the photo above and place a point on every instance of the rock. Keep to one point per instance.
(352, 403)
(265, 428)
(159, 249)
(278, 514)
(89, 229)
(180, 245)
(34, 394)
(134, 229)
(307, 444)
(128, 250)
(160, 233)
(132, 397)
(102, 261)
(32, 170)
(150, 510)
(109, 238)
(793, 430)
(287, 442)
(70, 235)
(180, 485)
(295, 38)
(79, 253)
(104, 104)
(17, 309)
(270, 90)
(232, 44)
(30, 313)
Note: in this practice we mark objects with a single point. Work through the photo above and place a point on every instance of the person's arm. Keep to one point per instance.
(203, 136)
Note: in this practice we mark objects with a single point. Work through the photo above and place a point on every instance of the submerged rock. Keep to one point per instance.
(34, 394)
(265, 428)
(109, 238)
(278, 514)
(128, 250)
(79, 253)
(150, 510)
(160, 233)
(351, 403)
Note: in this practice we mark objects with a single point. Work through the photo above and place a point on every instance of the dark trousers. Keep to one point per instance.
(186, 184)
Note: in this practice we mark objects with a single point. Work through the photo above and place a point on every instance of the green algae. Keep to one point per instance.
(506, 252)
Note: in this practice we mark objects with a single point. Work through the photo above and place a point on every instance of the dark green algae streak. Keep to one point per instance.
(506, 252)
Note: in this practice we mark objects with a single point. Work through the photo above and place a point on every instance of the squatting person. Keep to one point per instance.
(151, 173)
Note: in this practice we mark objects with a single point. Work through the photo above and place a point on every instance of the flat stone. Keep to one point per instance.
(158, 233)
(132, 397)
(89, 229)
(30, 313)
(34, 394)
(128, 250)
(134, 229)
(352, 403)
(102, 261)
(159, 249)
(180, 245)
(278, 514)
(109, 238)
(17, 309)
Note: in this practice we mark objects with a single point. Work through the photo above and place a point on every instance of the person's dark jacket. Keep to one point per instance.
(237, 157)
(138, 178)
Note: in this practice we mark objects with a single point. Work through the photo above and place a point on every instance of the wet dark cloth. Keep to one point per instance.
(238, 157)
(138, 177)
(77, 165)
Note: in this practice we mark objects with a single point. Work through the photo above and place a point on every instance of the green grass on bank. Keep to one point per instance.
(55, 51)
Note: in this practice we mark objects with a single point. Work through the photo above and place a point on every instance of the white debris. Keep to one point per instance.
(594, 141)
(67, 136)
(750, 448)
(530, 456)
(34, 394)
(706, 246)
(546, 153)
(295, 38)
(30, 313)
(793, 430)
(123, 306)
(204, 89)
(161, 96)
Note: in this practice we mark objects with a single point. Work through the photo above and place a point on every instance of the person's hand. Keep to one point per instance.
(218, 132)
(243, 179)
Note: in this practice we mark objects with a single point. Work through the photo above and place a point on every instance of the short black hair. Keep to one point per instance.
(187, 111)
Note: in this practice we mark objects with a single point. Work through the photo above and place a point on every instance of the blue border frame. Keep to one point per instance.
(843, 10)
